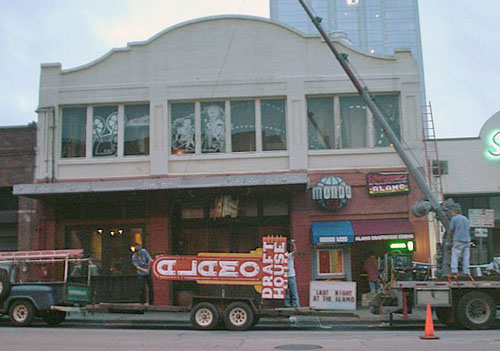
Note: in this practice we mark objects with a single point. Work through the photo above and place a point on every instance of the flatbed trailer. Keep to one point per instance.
(463, 301)
(245, 314)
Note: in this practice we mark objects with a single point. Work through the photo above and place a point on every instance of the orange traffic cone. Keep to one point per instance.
(429, 326)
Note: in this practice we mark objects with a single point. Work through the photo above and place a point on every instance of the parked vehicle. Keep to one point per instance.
(43, 284)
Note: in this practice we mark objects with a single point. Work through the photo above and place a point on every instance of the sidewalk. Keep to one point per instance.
(364, 316)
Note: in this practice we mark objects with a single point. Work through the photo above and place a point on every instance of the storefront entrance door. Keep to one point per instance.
(109, 246)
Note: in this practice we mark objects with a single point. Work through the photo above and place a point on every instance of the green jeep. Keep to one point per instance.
(43, 284)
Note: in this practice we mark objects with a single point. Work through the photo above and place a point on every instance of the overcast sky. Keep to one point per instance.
(460, 40)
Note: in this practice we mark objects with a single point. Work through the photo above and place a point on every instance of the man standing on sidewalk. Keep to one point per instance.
(460, 234)
(142, 260)
(371, 268)
(292, 294)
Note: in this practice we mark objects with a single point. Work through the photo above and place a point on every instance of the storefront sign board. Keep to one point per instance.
(384, 237)
(331, 193)
(333, 295)
(266, 268)
(482, 218)
(387, 183)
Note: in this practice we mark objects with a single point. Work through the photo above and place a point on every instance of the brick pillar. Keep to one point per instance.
(45, 227)
(300, 228)
(26, 224)
(159, 237)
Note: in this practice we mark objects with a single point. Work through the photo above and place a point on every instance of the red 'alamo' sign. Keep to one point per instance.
(387, 183)
(265, 268)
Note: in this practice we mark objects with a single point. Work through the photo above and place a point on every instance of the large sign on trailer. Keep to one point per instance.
(265, 268)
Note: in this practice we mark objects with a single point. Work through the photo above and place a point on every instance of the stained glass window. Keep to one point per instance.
(105, 131)
(182, 128)
(213, 127)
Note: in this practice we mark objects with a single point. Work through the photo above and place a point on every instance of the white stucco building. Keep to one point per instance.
(471, 176)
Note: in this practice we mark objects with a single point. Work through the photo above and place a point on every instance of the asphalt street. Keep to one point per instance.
(111, 339)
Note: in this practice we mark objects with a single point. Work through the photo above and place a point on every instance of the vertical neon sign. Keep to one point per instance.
(493, 145)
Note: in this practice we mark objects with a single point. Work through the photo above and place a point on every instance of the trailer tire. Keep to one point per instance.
(238, 316)
(4, 285)
(476, 310)
(54, 318)
(204, 316)
(21, 313)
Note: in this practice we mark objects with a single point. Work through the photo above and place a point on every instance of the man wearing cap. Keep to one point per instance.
(141, 261)
(460, 234)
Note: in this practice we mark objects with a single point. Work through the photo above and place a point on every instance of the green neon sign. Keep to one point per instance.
(493, 145)
(403, 245)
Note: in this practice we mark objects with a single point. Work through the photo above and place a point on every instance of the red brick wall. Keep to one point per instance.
(17, 155)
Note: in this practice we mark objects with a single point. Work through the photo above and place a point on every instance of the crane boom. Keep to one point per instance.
(412, 166)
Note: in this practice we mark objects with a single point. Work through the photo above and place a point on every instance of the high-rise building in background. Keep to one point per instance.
(374, 26)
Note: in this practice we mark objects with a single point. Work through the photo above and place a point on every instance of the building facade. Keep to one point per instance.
(17, 157)
(375, 26)
(219, 131)
(470, 171)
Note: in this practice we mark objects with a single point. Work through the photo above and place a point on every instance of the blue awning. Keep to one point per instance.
(332, 232)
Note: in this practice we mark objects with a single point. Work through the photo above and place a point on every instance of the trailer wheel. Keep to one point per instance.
(238, 316)
(4, 285)
(21, 313)
(476, 310)
(204, 316)
(446, 315)
(54, 318)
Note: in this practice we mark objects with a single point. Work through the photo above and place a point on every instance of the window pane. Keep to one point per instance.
(136, 130)
(330, 261)
(183, 140)
(389, 104)
(353, 117)
(273, 125)
(213, 127)
(320, 123)
(243, 125)
(105, 131)
(74, 124)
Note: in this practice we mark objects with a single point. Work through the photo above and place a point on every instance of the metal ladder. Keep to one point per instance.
(433, 164)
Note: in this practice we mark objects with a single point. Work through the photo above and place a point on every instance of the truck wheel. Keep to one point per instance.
(238, 316)
(256, 319)
(4, 285)
(476, 310)
(21, 313)
(204, 316)
(446, 315)
(54, 318)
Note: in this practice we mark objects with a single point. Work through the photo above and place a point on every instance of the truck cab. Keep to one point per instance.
(43, 284)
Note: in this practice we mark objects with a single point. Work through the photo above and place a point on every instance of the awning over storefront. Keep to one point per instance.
(332, 232)
(194, 182)
(390, 229)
